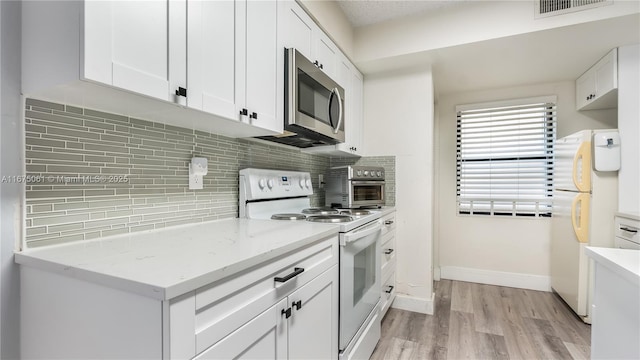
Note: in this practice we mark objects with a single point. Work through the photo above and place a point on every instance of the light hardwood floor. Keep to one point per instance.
(476, 321)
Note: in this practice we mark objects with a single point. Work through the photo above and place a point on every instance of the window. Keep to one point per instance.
(505, 157)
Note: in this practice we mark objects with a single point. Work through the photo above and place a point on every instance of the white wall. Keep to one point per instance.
(503, 251)
(629, 125)
(11, 163)
(398, 113)
(330, 17)
(471, 22)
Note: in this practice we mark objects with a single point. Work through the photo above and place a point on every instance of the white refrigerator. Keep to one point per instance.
(584, 203)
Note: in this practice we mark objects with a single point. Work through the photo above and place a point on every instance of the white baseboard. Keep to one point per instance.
(516, 280)
(415, 304)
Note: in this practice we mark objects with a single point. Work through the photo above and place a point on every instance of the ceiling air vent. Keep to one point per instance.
(546, 8)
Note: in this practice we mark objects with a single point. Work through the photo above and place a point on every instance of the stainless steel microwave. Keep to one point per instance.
(314, 105)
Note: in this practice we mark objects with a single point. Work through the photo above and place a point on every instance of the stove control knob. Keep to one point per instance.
(307, 183)
(366, 173)
(262, 183)
(270, 183)
(359, 172)
(379, 173)
(301, 182)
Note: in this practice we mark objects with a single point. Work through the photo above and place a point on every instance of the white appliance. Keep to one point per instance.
(284, 196)
(584, 203)
(626, 230)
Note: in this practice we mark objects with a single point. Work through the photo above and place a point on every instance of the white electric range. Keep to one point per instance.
(283, 195)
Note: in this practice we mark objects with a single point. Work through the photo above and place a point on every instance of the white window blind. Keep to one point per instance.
(505, 157)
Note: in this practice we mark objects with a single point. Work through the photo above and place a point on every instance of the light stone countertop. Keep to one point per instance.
(624, 262)
(166, 263)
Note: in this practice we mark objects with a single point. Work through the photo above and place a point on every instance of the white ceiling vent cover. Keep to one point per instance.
(546, 8)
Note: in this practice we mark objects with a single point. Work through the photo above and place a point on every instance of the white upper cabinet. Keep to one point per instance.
(127, 44)
(232, 61)
(156, 58)
(297, 30)
(262, 70)
(211, 57)
(597, 88)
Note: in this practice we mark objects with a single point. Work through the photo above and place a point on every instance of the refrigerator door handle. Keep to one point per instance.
(581, 226)
(583, 156)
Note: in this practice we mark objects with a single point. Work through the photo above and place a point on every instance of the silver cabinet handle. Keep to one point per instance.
(388, 222)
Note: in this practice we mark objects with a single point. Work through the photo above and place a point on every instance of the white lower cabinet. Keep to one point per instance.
(388, 262)
(285, 308)
(264, 337)
(301, 326)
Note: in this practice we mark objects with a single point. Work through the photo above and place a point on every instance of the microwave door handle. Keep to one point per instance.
(337, 94)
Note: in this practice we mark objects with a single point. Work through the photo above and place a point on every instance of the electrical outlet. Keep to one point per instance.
(195, 182)
(321, 181)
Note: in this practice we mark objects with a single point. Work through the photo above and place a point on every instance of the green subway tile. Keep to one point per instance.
(52, 194)
(44, 104)
(35, 128)
(142, 228)
(141, 122)
(53, 155)
(106, 148)
(54, 241)
(114, 138)
(73, 109)
(51, 220)
(105, 115)
(66, 227)
(56, 120)
(72, 133)
(36, 230)
(115, 232)
(73, 169)
(99, 125)
(106, 192)
(45, 142)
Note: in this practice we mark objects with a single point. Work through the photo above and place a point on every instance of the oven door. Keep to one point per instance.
(366, 193)
(359, 278)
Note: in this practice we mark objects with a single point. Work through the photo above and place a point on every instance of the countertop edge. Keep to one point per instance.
(164, 293)
(611, 264)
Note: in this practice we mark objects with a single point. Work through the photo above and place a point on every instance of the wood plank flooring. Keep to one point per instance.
(476, 321)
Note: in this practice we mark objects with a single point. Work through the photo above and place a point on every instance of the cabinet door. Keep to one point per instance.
(295, 28)
(313, 327)
(585, 89)
(355, 126)
(211, 57)
(128, 44)
(264, 337)
(261, 64)
(606, 74)
(326, 54)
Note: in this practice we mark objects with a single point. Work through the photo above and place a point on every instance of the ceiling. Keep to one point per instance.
(367, 12)
(546, 56)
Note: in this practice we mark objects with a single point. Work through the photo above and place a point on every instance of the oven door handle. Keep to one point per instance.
(361, 233)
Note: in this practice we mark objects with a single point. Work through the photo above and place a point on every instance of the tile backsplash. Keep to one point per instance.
(92, 174)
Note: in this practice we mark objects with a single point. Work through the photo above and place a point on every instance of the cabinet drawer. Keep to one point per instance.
(388, 254)
(222, 307)
(389, 223)
(388, 292)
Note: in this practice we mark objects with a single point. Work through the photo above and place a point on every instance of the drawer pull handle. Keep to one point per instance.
(388, 251)
(629, 230)
(388, 222)
(390, 289)
(286, 313)
(297, 304)
(296, 272)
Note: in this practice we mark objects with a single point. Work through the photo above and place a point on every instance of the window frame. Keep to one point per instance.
(520, 207)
